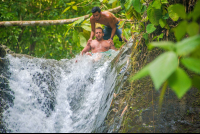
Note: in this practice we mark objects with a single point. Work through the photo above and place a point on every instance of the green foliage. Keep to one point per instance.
(166, 68)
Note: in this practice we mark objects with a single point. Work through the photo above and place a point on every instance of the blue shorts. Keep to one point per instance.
(108, 31)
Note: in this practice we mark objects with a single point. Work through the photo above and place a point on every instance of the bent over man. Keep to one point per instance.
(109, 20)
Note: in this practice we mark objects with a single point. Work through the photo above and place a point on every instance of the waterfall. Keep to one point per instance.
(59, 96)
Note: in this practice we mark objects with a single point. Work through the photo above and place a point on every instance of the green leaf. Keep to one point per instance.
(180, 82)
(74, 7)
(150, 28)
(144, 8)
(162, 22)
(78, 21)
(75, 36)
(196, 11)
(121, 23)
(83, 40)
(174, 16)
(166, 45)
(187, 45)
(195, 81)
(164, 1)
(137, 5)
(180, 10)
(154, 15)
(111, 1)
(157, 4)
(142, 73)
(128, 4)
(66, 9)
(145, 36)
(193, 29)
(86, 27)
(71, 3)
(162, 67)
(166, 16)
(180, 30)
(192, 64)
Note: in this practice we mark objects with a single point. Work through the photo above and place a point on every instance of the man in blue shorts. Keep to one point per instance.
(111, 24)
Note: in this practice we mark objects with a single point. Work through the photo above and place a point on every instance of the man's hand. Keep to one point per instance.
(89, 41)
(111, 42)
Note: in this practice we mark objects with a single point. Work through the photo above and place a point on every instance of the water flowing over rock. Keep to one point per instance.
(45, 95)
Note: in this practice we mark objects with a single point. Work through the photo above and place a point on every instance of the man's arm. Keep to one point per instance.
(92, 29)
(86, 49)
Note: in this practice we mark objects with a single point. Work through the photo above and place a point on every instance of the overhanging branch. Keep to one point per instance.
(50, 22)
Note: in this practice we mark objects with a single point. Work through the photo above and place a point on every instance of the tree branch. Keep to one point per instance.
(50, 22)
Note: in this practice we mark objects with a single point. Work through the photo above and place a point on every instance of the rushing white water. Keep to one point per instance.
(59, 96)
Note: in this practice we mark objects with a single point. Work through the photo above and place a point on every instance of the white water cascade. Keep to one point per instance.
(59, 96)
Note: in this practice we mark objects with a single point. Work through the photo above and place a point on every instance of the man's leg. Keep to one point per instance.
(107, 33)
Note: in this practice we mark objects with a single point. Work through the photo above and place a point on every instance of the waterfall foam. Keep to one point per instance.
(59, 96)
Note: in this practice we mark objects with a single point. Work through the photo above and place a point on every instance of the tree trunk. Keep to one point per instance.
(50, 22)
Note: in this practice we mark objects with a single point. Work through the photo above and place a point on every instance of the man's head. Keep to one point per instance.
(99, 33)
(96, 11)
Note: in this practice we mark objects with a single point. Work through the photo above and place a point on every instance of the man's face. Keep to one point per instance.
(99, 34)
(96, 15)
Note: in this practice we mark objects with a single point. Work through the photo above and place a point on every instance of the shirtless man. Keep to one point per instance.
(99, 44)
(109, 20)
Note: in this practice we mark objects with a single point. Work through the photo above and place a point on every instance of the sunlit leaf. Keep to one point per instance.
(162, 22)
(180, 82)
(192, 64)
(86, 27)
(180, 30)
(70, 3)
(66, 9)
(164, 1)
(180, 10)
(162, 67)
(111, 1)
(193, 29)
(83, 40)
(150, 28)
(75, 36)
(187, 45)
(166, 45)
(121, 23)
(157, 4)
(74, 7)
(174, 16)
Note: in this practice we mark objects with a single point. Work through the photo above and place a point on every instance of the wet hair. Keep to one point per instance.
(100, 28)
(95, 9)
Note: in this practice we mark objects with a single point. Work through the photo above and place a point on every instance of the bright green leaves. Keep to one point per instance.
(162, 22)
(192, 64)
(180, 30)
(196, 12)
(180, 10)
(173, 15)
(166, 45)
(83, 40)
(160, 69)
(187, 45)
(150, 28)
(137, 5)
(180, 82)
(154, 15)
